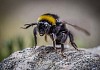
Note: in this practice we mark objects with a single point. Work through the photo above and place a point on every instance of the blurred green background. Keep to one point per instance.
(15, 13)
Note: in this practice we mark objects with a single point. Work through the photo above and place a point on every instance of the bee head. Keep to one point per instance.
(43, 27)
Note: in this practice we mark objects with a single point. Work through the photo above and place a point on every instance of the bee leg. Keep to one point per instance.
(28, 25)
(54, 42)
(63, 39)
(35, 36)
(72, 41)
(62, 50)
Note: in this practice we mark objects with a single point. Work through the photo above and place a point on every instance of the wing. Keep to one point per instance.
(77, 27)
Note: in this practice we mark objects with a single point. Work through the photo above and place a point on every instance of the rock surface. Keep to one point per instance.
(45, 58)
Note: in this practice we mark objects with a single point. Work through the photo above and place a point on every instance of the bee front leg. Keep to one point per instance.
(35, 36)
(28, 25)
(53, 37)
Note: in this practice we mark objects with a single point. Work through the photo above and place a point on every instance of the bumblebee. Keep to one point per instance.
(49, 24)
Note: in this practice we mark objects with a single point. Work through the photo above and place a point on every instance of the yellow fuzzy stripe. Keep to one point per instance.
(48, 18)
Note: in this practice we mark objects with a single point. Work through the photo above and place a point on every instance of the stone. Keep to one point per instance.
(46, 58)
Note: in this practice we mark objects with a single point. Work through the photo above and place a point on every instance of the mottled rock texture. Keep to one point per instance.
(45, 58)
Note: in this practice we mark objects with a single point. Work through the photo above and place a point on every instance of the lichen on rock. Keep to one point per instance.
(45, 58)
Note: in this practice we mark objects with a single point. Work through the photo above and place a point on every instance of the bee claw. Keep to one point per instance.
(55, 49)
(34, 48)
(62, 54)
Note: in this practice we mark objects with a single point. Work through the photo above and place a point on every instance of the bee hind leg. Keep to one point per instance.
(72, 41)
